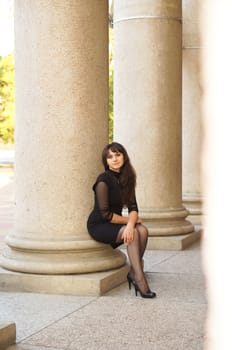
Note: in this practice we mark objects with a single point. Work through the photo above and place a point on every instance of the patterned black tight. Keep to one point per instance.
(135, 252)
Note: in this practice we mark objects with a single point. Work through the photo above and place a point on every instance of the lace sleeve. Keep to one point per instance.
(101, 191)
(133, 205)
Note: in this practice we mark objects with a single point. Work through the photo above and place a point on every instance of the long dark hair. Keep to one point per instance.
(127, 173)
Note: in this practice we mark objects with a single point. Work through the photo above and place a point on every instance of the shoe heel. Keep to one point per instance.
(129, 282)
(147, 294)
(136, 290)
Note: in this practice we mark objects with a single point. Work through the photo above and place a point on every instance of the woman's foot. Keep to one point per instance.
(142, 287)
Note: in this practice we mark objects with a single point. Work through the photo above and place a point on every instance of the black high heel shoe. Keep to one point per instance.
(130, 280)
(149, 294)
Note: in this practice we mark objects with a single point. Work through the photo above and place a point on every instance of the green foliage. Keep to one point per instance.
(111, 85)
(7, 108)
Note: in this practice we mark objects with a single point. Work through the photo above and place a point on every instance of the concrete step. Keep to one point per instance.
(7, 334)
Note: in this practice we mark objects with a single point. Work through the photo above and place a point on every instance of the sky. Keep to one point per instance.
(6, 27)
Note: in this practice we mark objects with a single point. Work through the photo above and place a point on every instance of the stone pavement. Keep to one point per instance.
(175, 320)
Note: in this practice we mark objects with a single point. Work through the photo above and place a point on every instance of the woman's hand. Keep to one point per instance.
(128, 234)
(139, 220)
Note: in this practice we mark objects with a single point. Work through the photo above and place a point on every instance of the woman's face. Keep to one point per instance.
(115, 160)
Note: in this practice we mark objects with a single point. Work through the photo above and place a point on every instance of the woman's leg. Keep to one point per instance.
(134, 254)
(143, 237)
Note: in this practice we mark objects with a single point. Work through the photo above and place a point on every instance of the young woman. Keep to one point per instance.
(114, 190)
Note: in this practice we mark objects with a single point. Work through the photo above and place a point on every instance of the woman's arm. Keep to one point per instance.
(133, 218)
(130, 221)
(102, 199)
(128, 233)
(101, 190)
(118, 219)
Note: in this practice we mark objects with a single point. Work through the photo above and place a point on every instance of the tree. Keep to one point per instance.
(7, 107)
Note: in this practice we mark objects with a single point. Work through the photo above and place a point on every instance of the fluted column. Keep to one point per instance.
(148, 49)
(61, 127)
(192, 92)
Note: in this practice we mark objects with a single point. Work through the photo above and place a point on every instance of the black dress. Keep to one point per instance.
(107, 201)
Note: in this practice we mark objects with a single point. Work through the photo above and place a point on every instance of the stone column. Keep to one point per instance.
(192, 92)
(148, 79)
(61, 128)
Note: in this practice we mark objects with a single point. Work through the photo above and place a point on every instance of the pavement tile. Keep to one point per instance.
(127, 323)
(32, 312)
(186, 261)
(171, 287)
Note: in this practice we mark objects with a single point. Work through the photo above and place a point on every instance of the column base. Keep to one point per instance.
(7, 334)
(91, 284)
(196, 219)
(193, 203)
(178, 242)
(167, 222)
(59, 257)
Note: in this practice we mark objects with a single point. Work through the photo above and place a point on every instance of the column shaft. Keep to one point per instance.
(61, 60)
(191, 111)
(147, 113)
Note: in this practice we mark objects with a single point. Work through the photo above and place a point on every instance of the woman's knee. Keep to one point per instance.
(143, 231)
(136, 232)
